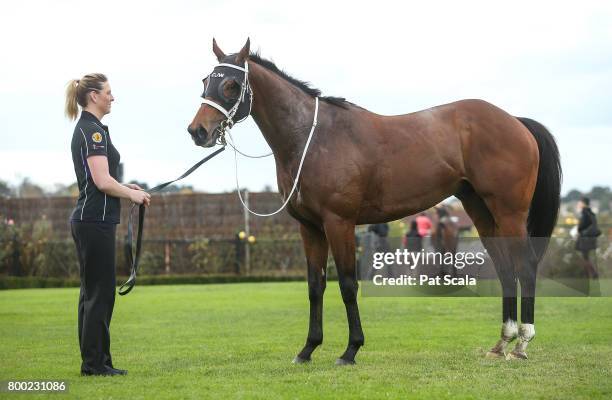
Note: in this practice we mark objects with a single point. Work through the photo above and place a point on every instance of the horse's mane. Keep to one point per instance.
(304, 86)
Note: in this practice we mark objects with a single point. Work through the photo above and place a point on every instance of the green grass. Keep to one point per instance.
(238, 340)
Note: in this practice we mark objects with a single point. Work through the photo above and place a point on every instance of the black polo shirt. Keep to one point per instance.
(91, 138)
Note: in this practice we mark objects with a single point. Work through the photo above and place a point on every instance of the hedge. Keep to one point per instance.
(12, 282)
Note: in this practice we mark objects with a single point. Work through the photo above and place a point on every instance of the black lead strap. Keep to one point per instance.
(132, 259)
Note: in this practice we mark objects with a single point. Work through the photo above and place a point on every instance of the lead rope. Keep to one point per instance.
(295, 182)
(132, 258)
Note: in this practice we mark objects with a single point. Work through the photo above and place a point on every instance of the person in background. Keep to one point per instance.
(424, 224)
(587, 236)
(413, 241)
(96, 215)
(381, 231)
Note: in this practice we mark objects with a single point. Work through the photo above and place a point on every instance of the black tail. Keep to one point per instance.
(546, 198)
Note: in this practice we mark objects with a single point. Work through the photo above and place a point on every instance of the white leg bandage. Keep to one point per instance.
(526, 334)
(509, 332)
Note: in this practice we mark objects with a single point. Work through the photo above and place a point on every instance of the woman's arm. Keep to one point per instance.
(98, 165)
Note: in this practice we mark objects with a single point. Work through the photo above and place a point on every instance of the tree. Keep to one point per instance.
(28, 189)
(599, 191)
(572, 195)
(5, 189)
(603, 195)
(63, 190)
(174, 188)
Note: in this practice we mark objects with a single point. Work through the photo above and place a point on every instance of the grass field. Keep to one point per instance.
(238, 340)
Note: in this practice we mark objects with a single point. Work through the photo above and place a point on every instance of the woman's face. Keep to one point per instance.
(103, 98)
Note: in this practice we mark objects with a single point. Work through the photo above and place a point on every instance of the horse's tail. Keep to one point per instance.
(544, 207)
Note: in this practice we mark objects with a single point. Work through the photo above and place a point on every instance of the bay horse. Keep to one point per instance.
(505, 170)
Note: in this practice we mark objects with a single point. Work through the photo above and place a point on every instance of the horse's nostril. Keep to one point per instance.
(198, 133)
(201, 132)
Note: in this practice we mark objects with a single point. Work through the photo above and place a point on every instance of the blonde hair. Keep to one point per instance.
(77, 91)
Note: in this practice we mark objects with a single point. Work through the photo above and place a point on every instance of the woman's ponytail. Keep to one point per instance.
(71, 109)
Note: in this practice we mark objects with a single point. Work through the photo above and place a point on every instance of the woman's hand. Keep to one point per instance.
(140, 197)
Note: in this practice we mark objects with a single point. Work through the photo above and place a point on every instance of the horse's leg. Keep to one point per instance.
(518, 257)
(501, 259)
(341, 236)
(316, 248)
(485, 224)
(527, 277)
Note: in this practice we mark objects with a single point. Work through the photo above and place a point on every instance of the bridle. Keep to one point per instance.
(213, 88)
(234, 109)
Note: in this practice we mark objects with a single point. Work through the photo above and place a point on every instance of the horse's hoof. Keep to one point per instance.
(342, 361)
(300, 360)
(494, 354)
(516, 355)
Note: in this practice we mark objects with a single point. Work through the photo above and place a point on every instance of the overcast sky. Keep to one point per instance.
(550, 61)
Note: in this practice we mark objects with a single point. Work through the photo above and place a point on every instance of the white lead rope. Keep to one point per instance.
(295, 182)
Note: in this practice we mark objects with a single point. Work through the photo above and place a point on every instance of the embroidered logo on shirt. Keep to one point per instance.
(96, 137)
(96, 147)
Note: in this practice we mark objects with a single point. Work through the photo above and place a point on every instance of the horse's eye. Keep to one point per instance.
(231, 89)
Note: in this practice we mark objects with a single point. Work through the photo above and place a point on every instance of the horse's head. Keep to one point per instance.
(227, 97)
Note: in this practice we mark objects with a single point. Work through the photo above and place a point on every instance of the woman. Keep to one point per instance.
(95, 218)
(587, 236)
(424, 224)
(413, 241)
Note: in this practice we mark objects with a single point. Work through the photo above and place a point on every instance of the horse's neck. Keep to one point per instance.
(283, 113)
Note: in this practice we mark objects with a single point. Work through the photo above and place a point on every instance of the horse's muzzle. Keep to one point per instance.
(199, 136)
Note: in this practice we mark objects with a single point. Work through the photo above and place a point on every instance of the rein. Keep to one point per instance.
(132, 258)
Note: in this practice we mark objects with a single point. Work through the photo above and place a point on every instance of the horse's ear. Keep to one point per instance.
(244, 53)
(218, 52)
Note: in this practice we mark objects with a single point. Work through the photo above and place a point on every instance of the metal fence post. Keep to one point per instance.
(167, 257)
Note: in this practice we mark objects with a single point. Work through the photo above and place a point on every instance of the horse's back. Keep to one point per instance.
(424, 156)
(470, 136)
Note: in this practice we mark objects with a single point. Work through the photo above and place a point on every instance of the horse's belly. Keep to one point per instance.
(401, 195)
